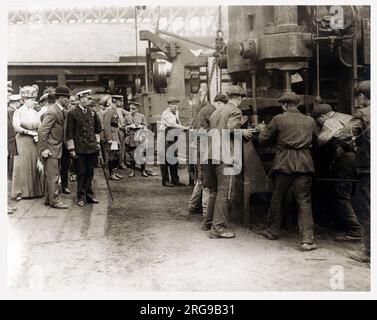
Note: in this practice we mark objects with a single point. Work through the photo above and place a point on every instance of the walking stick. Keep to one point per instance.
(104, 173)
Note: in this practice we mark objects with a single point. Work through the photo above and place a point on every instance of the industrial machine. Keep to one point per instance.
(172, 69)
(320, 52)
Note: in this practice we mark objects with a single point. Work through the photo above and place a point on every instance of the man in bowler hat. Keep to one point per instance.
(50, 137)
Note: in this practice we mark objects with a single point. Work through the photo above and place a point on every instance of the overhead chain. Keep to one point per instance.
(219, 47)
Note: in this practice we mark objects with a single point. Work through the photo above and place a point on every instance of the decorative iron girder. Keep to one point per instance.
(185, 21)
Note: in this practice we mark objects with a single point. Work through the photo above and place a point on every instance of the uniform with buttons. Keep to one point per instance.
(83, 129)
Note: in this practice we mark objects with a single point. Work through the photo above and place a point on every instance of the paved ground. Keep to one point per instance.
(144, 241)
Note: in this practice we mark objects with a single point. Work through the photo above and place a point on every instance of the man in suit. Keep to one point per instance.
(83, 143)
(50, 137)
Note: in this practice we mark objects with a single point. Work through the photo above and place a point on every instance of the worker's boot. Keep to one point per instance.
(114, 177)
(117, 174)
(361, 256)
(132, 174)
(222, 233)
(308, 246)
(267, 233)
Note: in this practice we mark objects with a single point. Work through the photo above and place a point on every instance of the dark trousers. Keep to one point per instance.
(301, 186)
(344, 168)
(364, 214)
(173, 170)
(166, 167)
(64, 167)
(342, 203)
(218, 186)
(85, 172)
(131, 154)
(10, 167)
(51, 168)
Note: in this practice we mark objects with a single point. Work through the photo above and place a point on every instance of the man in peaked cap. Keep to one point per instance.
(135, 123)
(122, 114)
(111, 125)
(215, 177)
(51, 138)
(83, 143)
(293, 167)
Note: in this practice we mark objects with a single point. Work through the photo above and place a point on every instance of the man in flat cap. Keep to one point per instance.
(293, 167)
(227, 118)
(83, 129)
(343, 164)
(170, 120)
(200, 194)
(51, 138)
(358, 129)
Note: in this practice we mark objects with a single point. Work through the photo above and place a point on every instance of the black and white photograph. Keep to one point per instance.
(187, 147)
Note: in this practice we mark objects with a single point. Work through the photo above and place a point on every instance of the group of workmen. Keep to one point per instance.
(345, 137)
(72, 127)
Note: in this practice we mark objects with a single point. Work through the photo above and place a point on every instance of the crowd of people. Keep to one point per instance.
(65, 133)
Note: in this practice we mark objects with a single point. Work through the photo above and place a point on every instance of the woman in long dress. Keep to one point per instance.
(26, 182)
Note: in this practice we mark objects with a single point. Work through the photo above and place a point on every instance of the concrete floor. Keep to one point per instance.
(144, 241)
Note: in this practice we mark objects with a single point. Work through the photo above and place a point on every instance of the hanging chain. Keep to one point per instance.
(219, 45)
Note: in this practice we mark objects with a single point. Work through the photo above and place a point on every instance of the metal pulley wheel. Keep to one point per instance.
(160, 76)
(222, 61)
(138, 85)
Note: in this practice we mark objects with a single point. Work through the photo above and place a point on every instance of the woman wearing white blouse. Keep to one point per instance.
(26, 182)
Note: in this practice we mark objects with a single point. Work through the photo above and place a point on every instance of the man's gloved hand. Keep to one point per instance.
(46, 153)
(72, 154)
